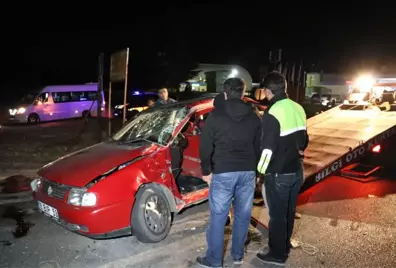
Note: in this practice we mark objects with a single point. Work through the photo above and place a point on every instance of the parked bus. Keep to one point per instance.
(56, 103)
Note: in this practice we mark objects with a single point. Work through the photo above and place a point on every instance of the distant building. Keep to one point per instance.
(211, 77)
(326, 83)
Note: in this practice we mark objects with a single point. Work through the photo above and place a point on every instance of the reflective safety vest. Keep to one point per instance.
(293, 125)
(291, 116)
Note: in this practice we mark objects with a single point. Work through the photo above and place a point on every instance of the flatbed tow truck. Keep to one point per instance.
(342, 139)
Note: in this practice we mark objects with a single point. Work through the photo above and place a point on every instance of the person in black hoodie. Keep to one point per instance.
(229, 152)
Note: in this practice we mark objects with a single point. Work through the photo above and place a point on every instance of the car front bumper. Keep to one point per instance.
(94, 222)
(18, 118)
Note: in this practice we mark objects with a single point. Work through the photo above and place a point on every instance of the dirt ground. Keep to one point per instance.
(30, 147)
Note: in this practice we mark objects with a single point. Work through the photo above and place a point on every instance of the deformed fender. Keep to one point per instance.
(166, 191)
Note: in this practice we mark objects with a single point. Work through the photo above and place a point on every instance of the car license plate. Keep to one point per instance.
(48, 210)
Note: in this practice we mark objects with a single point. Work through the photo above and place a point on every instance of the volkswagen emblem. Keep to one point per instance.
(49, 191)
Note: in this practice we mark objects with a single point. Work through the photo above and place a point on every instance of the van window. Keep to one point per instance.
(61, 97)
(74, 96)
(43, 97)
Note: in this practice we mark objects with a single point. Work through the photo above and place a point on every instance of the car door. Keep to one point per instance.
(42, 107)
(61, 107)
(191, 160)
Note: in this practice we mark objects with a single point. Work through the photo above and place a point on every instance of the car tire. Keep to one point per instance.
(147, 225)
(33, 119)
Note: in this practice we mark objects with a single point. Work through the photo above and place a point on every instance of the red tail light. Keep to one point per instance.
(376, 149)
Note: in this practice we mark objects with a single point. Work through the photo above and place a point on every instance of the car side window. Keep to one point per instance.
(199, 123)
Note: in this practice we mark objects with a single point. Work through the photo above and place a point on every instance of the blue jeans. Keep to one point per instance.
(282, 191)
(224, 189)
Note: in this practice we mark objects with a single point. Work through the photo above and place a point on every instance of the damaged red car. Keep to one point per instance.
(133, 183)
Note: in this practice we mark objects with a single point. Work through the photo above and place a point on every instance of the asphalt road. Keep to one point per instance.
(349, 223)
(344, 223)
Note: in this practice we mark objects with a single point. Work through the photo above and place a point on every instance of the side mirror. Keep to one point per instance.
(196, 131)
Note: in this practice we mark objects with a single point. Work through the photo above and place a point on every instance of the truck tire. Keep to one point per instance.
(151, 216)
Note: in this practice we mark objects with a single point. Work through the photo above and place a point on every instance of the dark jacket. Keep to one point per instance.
(284, 134)
(230, 139)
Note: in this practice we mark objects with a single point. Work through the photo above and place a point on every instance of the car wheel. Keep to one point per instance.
(33, 119)
(151, 216)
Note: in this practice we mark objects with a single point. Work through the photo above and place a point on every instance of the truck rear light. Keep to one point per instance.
(376, 149)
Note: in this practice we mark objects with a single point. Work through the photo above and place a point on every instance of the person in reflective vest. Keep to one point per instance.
(283, 141)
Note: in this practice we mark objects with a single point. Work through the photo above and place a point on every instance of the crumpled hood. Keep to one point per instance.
(237, 109)
(81, 167)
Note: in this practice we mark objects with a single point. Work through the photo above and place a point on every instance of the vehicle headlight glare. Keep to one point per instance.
(21, 110)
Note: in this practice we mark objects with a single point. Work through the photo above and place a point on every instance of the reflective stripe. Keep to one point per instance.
(264, 161)
(194, 159)
(290, 115)
(291, 131)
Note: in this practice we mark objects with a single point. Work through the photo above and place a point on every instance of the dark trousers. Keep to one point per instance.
(282, 191)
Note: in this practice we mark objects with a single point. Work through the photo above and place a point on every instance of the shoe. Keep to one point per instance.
(264, 251)
(269, 259)
(201, 261)
(238, 262)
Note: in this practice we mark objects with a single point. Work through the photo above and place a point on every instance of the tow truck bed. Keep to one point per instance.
(338, 138)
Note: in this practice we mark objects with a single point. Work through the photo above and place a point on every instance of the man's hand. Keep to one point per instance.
(258, 179)
(207, 178)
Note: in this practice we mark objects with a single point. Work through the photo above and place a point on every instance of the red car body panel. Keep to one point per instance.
(83, 166)
(147, 164)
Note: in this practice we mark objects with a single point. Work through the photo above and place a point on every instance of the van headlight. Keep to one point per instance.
(21, 110)
(79, 197)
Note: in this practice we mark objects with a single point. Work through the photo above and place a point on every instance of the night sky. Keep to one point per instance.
(62, 46)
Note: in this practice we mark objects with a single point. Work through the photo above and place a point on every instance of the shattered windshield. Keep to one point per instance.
(153, 125)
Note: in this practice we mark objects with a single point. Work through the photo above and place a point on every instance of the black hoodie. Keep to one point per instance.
(230, 139)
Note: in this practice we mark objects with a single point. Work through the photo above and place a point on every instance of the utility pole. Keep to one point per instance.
(118, 73)
(99, 95)
(299, 80)
(275, 64)
(279, 60)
